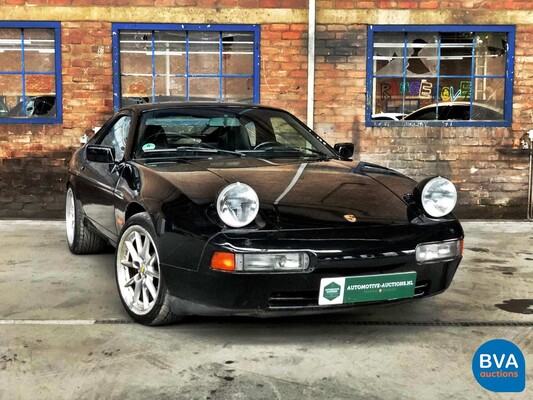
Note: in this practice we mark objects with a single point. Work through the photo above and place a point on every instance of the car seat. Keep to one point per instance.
(234, 138)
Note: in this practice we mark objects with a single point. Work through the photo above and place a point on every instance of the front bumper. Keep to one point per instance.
(203, 291)
(282, 294)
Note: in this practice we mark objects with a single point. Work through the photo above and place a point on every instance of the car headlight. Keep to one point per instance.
(438, 196)
(237, 205)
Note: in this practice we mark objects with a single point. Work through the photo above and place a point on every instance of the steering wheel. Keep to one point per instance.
(269, 144)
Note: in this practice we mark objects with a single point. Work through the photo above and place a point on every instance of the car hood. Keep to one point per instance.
(300, 194)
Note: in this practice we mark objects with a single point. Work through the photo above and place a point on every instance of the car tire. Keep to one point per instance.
(139, 280)
(80, 239)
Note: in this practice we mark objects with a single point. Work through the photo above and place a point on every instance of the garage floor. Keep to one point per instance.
(64, 334)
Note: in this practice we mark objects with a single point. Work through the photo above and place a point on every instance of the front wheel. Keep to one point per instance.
(140, 283)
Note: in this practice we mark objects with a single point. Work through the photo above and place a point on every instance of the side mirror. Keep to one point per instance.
(100, 154)
(345, 150)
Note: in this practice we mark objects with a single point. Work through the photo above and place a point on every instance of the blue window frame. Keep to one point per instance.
(162, 62)
(30, 72)
(435, 75)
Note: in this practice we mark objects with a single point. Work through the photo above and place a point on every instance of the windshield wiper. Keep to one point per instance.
(314, 151)
(282, 148)
(205, 148)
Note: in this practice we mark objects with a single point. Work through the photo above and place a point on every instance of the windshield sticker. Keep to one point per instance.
(148, 147)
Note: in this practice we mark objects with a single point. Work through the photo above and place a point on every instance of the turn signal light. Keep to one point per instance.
(223, 261)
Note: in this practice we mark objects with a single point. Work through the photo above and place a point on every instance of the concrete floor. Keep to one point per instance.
(64, 334)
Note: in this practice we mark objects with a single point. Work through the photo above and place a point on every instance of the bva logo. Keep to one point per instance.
(500, 366)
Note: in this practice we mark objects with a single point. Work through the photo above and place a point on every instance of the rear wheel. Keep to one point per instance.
(79, 238)
(139, 280)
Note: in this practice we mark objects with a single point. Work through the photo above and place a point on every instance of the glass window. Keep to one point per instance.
(458, 74)
(117, 136)
(30, 72)
(158, 63)
(198, 131)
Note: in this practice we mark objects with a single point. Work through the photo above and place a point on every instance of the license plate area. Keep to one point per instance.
(359, 289)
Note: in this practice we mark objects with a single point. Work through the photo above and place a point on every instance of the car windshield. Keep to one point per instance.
(230, 131)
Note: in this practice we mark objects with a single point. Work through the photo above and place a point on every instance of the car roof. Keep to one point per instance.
(456, 104)
(139, 108)
(459, 103)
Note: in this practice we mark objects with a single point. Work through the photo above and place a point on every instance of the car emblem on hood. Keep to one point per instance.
(350, 217)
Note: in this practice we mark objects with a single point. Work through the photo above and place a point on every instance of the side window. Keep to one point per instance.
(117, 136)
(286, 134)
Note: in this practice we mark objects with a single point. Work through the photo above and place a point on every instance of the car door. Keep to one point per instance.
(99, 197)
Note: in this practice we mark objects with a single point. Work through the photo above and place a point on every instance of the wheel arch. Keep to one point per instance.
(132, 209)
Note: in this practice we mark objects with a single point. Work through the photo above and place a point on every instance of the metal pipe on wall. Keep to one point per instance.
(311, 64)
(530, 184)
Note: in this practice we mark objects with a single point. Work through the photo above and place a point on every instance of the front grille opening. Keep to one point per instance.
(310, 298)
(294, 299)
(421, 288)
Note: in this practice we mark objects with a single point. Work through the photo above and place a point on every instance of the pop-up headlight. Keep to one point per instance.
(437, 196)
(237, 205)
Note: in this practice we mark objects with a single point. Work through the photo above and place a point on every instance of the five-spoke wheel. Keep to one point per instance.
(139, 280)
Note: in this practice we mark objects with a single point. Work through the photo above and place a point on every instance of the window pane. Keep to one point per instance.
(388, 53)
(136, 52)
(40, 84)
(41, 106)
(39, 50)
(11, 93)
(491, 53)
(237, 90)
(454, 89)
(204, 89)
(170, 88)
(137, 86)
(40, 96)
(204, 53)
(170, 52)
(456, 54)
(399, 96)
(421, 54)
(490, 92)
(238, 53)
(10, 50)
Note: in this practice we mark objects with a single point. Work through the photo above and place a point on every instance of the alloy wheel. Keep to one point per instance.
(70, 216)
(138, 272)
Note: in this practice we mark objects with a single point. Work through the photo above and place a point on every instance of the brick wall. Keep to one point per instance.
(33, 158)
(284, 67)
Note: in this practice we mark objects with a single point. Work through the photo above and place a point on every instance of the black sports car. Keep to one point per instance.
(219, 209)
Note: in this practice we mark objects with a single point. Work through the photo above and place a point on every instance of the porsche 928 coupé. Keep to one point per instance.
(227, 209)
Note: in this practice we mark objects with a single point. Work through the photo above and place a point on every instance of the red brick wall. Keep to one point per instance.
(284, 67)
